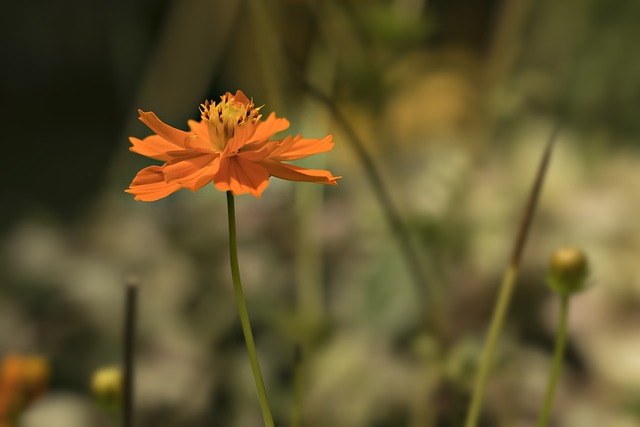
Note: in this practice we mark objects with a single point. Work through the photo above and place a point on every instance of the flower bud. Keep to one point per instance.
(568, 271)
(106, 386)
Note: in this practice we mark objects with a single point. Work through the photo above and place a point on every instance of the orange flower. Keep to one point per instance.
(22, 380)
(230, 146)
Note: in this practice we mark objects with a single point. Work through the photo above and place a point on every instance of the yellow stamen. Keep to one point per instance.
(226, 116)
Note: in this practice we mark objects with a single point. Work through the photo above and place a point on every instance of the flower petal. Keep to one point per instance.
(241, 176)
(255, 153)
(192, 171)
(292, 148)
(199, 128)
(199, 138)
(295, 173)
(154, 146)
(149, 185)
(171, 134)
(239, 139)
(241, 97)
(267, 128)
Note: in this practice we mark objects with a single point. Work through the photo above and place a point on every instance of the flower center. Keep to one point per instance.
(226, 116)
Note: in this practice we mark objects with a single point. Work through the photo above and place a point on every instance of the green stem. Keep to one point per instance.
(244, 315)
(508, 283)
(499, 313)
(558, 357)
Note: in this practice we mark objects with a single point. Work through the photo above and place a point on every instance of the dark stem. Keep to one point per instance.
(534, 195)
(296, 413)
(128, 355)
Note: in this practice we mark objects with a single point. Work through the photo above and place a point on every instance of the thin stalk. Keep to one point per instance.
(244, 315)
(556, 367)
(506, 288)
(412, 256)
(296, 412)
(416, 263)
(499, 313)
(128, 353)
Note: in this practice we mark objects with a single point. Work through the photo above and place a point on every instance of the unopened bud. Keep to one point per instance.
(106, 386)
(568, 271)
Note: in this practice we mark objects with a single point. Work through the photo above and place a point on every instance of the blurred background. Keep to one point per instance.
(385, 284)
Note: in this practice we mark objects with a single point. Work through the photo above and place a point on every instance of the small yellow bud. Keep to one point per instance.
(106, 386)
(568, 271)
